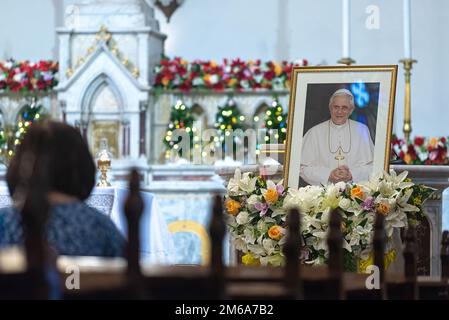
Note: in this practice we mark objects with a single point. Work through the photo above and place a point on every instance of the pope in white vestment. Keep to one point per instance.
(338, 149)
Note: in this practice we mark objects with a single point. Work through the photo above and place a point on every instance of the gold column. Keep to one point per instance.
(408, 63)
(347, 61)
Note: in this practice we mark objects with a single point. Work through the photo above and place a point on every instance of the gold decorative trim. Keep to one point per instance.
(197, 229)
(104, 35)
(316, 69)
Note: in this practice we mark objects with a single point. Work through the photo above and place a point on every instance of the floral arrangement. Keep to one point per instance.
(257, 210)
(26, 76)
(234, 74)
(422, 150)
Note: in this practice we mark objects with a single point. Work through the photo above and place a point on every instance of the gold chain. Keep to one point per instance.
(329, 139)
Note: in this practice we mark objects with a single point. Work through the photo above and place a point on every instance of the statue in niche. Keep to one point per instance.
(105, 130)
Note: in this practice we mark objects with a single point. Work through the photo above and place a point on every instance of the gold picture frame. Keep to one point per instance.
(311, 89)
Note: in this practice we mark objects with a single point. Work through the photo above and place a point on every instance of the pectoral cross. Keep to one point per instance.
(339, 156)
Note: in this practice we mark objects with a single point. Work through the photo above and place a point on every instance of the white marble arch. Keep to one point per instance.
(104, 70)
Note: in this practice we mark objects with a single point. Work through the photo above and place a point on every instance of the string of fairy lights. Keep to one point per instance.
(228, 119)
(11, 135)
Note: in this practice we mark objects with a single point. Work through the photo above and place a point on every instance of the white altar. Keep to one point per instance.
(107, 51)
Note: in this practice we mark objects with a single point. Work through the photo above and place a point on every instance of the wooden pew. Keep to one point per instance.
(437, 288)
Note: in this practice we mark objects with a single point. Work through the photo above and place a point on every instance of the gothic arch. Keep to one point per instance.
(104, 120)
(95, 87)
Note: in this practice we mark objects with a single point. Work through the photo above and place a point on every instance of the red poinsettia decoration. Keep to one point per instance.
(422, 150)
(26, 76)
(233, 74)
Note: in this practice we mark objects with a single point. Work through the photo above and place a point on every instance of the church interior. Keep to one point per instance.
(225, 150)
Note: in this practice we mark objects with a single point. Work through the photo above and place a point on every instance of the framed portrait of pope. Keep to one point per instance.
(340, 123)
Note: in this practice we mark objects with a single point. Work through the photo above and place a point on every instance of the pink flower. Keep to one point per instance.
(262, 207)
(280, 189)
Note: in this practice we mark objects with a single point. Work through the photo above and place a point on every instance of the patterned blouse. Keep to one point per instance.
(74, 229)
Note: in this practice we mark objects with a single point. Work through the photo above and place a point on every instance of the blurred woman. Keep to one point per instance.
(49, 177)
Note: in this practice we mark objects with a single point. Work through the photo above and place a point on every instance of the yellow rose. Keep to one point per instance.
(249, 260)
(389, 257)
(357, 192)
(232, 207)
(383, 208)
(271, 196)
(277, 69)
(275, 232)
(433, 142)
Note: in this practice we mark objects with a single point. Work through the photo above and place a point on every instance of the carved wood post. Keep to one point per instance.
(133, 212)
(291, 250)
(217, 229)
(335, 242)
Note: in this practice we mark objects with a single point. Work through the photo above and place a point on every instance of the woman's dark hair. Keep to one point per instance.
(60, 151)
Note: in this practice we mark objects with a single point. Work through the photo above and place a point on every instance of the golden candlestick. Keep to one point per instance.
(347, 61)
(104, 163)
(408, 63)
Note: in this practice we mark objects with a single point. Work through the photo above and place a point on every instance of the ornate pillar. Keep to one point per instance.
(125, 138)
(142, 133)
(81, 125)
(64, 56)
(143, 62)
(63, 107)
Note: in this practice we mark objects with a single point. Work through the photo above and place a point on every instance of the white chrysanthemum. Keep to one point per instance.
(257, 250)
(344, 203)
(269, 245)
(251, 201)
(242, 217)
(249, 235)
(240, 244)
(306, 199)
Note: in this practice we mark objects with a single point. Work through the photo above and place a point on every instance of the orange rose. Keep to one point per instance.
(232, 82)
(383, 208)
(275, 232)
(165, 81)
(407, 159)
(271, 196)
(357, 192)
(207, 77)
(232, 207)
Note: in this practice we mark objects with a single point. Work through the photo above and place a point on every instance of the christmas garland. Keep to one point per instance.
(421, 150)
(27, 76)
(233, 74)
(10, 137)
